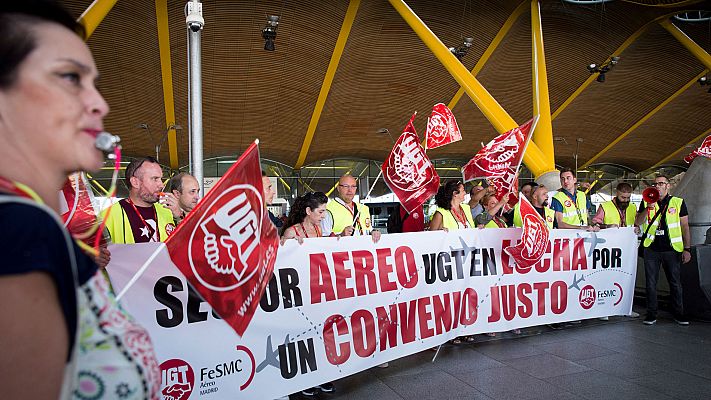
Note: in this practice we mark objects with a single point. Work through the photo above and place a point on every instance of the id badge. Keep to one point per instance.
(660, 232)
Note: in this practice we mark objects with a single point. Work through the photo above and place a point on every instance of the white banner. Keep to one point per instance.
(336, 307)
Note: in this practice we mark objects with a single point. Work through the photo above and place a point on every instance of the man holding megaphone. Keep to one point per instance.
(664, 222)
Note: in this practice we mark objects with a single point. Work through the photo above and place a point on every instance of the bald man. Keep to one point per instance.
(345, 216)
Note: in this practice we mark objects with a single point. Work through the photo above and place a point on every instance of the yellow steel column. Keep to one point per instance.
(94, 14)
(690, 45)
(491, 109)
(543, 134)
(328, 80)
(167, 75)
(492, 46)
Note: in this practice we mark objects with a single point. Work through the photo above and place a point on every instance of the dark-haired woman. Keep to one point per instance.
(63, 334)
(304, 220)
(452, 213)
(491, 217)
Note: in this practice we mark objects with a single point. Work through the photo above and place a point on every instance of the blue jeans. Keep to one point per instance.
(671, 261)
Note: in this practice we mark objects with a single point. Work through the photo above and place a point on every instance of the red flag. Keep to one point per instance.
(227, 245)
(408, 171)
(703, 150)
(442, 127)
(534, 238)
(80, 216)
(500, 159)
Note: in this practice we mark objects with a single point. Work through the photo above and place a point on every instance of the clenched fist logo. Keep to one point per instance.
(225, 239)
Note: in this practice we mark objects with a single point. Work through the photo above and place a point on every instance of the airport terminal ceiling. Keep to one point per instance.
(650, 100)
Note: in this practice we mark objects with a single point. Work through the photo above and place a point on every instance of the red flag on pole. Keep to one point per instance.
(703, 150)
(499, 160)
(442, 127)
(408, 171)
(227, 245)
(534, 238)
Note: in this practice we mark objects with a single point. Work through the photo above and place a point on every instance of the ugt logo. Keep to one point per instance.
(222, 246)
(178, 379)
(587, 297)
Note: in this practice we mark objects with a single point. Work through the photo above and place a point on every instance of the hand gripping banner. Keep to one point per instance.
(408, 171)
(227, 245)
(442, 127)
(534, 237)
(499, 160)
(703, 150)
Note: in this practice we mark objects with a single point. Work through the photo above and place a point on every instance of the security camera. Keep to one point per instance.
(704, 81)
(269, 32)
(614, 60)
(194, 18)
(592, 68)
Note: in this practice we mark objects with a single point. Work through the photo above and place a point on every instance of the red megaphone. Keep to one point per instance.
(650, 195)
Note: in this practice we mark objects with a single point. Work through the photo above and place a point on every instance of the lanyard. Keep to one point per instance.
(357, 221)
(306, 234)
(19, 189)
(623, 214)
(150, 230)
(460, 219)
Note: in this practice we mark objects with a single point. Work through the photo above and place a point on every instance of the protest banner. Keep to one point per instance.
(336, 307)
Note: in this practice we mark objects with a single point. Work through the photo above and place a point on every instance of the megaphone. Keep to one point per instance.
(650, 195)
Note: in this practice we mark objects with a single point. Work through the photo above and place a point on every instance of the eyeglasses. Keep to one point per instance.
(348, 186)
(660, 183)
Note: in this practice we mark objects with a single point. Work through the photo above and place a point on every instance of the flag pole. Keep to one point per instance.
(140, 271)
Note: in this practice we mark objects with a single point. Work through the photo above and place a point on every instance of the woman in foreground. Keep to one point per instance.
(63, 334)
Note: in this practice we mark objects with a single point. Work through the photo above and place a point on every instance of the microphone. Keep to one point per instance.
(106, 142)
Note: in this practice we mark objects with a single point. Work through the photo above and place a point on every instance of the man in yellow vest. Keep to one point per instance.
(140, 218)
(571, 205)
(617, 212)
(539, 201)
(667, 243)
(345, 216)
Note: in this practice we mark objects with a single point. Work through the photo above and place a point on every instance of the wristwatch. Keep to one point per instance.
(687, 249)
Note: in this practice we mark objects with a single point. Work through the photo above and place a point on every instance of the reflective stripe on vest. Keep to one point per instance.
(673, 224)
(342, 217)
(119, 226)
(572, 215)
(612, 214)
(448, 220)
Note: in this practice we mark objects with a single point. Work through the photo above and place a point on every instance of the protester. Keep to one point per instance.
(186, 190)
(539, 201)
(451, 212)
(140, 218)
(63, 334)
(304, 222)
(475, 195)
(491, 217)
(617, 212)
(269, 193)
(345, 216)
(666, 242)
(571, 205)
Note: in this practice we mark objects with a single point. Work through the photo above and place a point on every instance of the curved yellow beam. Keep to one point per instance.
(686, 146)
(167, 75)
(686, 41)
(491, 109)
(644, 119)
(328, 80)
(543, 134)
(94, 14)
(505, 28)
(617, 52)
